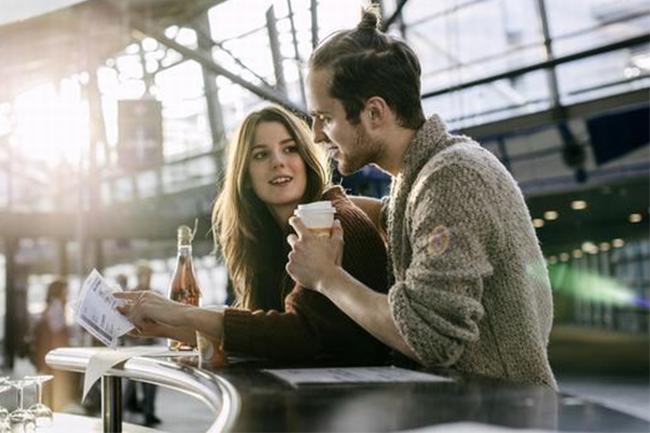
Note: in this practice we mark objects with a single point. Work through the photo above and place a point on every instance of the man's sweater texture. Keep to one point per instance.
(471, 286)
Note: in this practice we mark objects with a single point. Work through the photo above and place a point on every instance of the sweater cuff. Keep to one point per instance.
(397, 304)
(236, 330)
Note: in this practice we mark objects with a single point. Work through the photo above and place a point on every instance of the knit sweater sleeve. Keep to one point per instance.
(437, 304)
(312, 326)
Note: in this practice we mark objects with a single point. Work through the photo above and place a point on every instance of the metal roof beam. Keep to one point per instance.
(625, 43)
(207, 62)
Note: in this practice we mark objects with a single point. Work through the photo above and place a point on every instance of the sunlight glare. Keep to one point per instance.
(52, 126)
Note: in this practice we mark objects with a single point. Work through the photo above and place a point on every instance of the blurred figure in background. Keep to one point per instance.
(122, 281)
(131, 401)
(49, 333)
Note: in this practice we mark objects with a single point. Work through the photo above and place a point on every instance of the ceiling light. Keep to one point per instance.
(132, 49)
(618, 243)
(551, 215)
(578, 205)
(604, 246)
(564, 257)
(577, 253)
(538, 223)
(149, 44)
(635, 218)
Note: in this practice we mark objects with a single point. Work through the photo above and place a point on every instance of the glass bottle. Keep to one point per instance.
(184, 285)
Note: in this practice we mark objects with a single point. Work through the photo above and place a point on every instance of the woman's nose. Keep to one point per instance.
(277, 159)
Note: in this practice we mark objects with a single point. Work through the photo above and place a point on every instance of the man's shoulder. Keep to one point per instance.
(463, 158)
(464, 164)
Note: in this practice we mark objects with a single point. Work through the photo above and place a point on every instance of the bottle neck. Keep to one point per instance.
(185, 250)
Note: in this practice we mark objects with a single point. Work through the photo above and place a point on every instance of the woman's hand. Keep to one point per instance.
(312, 258)
(151, 313)
(156, 316)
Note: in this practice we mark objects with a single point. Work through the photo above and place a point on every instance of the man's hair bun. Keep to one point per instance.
(370, 18)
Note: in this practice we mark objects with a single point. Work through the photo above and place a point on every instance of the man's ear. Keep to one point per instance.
(377, 111)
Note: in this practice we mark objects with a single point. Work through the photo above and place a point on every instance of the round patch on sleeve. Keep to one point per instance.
(439, 240)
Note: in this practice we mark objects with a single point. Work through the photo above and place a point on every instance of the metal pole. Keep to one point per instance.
(96, 125)
(573, 154)
(111, 404)
(9, 343)
(276, 55)
(301, 80)
(215, 113)
(396, 14)
(548, 47)
(313, 8)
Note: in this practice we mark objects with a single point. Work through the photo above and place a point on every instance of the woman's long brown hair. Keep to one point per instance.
(239, 216)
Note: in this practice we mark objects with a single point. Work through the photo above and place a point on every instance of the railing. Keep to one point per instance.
(217, 393)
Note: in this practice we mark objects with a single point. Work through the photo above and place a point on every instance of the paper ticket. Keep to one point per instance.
(96, 310)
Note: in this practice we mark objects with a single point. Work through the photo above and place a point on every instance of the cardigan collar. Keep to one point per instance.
(431, 138)
(427, 141)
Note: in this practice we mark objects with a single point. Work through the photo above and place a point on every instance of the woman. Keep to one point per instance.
(273, 166)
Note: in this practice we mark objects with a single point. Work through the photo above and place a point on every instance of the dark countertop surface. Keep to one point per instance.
(270, 404)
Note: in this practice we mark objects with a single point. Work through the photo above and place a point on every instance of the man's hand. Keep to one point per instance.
(312, 258)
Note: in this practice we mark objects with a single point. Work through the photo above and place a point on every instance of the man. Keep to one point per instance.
(471, 288)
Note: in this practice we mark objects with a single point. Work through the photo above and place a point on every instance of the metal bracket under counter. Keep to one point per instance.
(217, 393)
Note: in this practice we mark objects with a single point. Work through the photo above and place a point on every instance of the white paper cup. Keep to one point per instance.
(317, 216)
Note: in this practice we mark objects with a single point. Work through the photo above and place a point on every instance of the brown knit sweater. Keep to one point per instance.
(471, 290)
(311, 326)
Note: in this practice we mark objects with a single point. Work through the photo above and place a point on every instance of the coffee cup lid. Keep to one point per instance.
(318, 206)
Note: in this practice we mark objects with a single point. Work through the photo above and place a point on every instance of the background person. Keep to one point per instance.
(147, 406)
(51, 332)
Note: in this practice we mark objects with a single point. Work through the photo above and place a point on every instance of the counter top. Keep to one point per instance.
(257, 401)
(269, 404)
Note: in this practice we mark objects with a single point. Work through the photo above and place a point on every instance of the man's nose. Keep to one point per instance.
(317, 131)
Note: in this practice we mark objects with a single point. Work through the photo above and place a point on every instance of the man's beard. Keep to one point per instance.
(364, 152)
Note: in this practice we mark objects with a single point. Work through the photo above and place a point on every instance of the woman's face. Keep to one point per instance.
(277, 171)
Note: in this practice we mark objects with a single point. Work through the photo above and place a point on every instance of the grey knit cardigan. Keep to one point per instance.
(471, 286)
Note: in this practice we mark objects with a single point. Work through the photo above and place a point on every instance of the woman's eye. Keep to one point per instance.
(259, 155)
(291, 149)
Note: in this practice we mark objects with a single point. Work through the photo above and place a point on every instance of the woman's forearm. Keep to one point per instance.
(206, 321)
